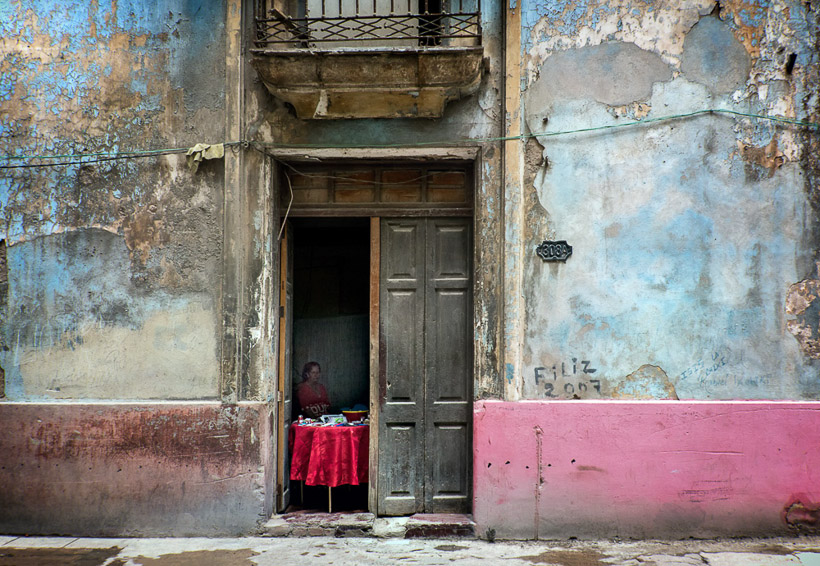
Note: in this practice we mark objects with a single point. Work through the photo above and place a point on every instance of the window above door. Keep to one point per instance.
(384, 189)
(335, 59)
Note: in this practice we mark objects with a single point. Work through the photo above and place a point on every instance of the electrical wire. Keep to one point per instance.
(82, 161)
(287, 212)
(86, 158)
(102, 156)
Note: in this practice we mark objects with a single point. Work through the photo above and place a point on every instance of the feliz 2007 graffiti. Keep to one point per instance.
(578, 369)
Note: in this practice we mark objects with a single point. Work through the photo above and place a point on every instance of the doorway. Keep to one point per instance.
(330, 309)
(377, 286)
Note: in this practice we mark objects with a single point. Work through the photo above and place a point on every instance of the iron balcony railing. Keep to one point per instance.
(370, 23)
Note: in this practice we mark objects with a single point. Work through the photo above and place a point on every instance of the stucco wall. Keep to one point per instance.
(112, 264)
(694, 238)
(645, 469)
(105, 469)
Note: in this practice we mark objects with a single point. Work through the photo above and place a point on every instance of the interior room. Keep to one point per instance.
(331, 274)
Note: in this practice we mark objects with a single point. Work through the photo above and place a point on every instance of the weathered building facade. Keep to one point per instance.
(659, 381)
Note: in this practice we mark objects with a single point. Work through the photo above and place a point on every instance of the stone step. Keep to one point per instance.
(305, 524)
(440, 525)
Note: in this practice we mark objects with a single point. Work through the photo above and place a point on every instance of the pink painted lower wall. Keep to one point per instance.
(164, 469)
(666, 469)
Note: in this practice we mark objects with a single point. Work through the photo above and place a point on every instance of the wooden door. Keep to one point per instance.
(448, 367)
(284, 387)
(425, 376)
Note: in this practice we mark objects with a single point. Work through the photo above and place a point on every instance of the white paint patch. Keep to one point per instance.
(172, 356)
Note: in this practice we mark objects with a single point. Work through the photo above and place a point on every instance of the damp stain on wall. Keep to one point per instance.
(802, 516)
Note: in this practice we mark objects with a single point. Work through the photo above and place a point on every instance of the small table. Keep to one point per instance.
(329, 455)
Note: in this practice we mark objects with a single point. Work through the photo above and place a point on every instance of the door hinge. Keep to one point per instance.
(278, 396)
(281, 311)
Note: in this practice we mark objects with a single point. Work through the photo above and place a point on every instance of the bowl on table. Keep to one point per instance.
(353, 416)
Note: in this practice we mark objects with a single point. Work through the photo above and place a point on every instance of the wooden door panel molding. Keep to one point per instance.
(451, 237)
(400, 333)
(401, 257)
(456, 323)
(448, 477)
(401, 442)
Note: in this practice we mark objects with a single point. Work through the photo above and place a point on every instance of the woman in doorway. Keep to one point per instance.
(311, 394)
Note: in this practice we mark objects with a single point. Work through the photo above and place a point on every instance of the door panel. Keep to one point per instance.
(400, 339)
(456, 306)
(448, 366)
(403, 493)
(426, 339)
(401, 413)
(448, 480)
(284, 393)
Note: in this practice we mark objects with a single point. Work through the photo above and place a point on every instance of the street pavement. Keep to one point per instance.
(317, 551)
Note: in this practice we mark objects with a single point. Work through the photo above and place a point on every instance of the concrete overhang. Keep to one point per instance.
(370, 83)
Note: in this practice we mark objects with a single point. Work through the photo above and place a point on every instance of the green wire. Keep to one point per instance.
(107, 156)
(563, 132)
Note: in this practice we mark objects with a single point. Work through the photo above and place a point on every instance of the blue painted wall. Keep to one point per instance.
(111, 264)
(689, 235)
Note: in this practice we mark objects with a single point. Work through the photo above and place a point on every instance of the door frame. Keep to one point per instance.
(375, 364)
(377, 156)
(284, 388)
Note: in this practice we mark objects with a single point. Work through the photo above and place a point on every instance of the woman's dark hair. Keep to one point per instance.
(306, 370)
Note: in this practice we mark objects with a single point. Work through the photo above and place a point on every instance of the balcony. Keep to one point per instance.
(369, 58)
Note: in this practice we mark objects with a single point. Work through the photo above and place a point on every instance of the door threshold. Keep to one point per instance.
(422, 525)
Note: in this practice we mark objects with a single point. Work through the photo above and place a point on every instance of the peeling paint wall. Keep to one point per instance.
(111, 264)
(694, 239)
(111, 275)
(694, 273)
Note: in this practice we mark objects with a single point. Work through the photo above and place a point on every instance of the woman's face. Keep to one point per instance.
(314, 374)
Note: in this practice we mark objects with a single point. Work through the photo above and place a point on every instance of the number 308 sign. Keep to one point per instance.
(554, 251)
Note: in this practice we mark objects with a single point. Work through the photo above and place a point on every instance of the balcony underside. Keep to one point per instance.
(370, 83)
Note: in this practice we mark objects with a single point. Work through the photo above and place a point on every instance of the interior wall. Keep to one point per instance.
(331, 306)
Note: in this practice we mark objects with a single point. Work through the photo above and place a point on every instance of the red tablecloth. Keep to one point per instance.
(329, 455)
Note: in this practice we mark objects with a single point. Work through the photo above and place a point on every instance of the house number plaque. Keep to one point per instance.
(554, 251)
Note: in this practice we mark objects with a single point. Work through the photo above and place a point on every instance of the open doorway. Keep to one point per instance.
(375, 285)
(331, 275)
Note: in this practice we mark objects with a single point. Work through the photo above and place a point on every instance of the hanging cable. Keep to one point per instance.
(287, 212)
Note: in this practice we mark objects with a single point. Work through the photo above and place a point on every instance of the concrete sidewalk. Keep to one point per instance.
(315, 551)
